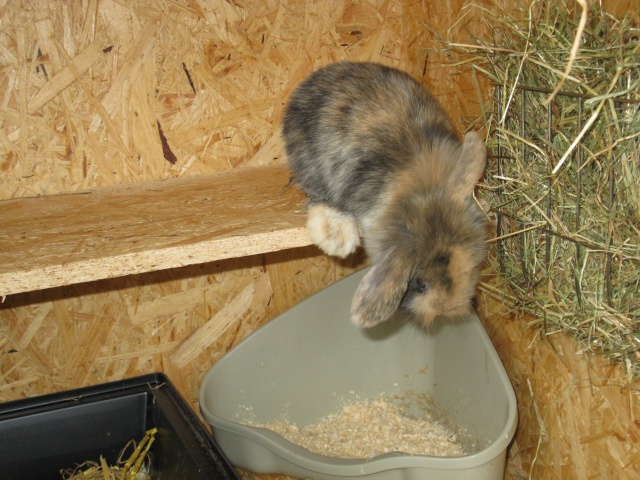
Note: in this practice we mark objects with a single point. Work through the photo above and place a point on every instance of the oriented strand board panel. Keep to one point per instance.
(107, 92)
(179, 321)
(64, 239)
(578, 415)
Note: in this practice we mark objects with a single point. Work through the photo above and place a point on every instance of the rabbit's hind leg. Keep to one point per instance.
(334, 231)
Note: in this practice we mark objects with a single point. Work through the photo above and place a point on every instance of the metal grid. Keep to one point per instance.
(577, 157)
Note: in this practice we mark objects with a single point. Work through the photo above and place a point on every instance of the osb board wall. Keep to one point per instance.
(101, 92)
(97, 92)
(179, 321)
(579, 417)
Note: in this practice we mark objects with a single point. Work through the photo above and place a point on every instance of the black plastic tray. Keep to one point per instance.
(42, 435)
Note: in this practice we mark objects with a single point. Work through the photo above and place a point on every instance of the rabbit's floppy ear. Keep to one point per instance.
(472, 161)
(380, 291)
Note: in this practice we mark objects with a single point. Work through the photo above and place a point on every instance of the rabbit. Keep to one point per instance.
(377, 156)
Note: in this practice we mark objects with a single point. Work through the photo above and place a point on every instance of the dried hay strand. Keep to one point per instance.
(136, 467)
(565, 182)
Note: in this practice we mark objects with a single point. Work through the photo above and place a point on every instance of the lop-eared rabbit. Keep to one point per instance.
(376, 155)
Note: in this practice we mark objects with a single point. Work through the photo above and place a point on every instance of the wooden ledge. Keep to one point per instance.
(60, 240)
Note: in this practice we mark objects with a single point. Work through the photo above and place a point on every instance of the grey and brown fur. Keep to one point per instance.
(376, 154)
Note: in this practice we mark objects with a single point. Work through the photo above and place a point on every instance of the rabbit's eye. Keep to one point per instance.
(418, 285)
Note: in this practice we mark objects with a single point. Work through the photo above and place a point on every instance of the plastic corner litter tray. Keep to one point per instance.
(311, 360)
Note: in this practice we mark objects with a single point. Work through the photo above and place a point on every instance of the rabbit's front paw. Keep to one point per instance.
(335, 232)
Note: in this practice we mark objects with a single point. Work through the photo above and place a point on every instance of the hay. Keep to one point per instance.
(136, 467)
(565, 183)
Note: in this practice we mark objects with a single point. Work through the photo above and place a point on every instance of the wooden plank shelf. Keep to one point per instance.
(58, 240)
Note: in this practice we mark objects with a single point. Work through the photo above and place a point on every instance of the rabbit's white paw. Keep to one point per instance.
(335, 232)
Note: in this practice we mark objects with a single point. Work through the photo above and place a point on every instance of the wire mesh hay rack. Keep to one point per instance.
(565, 181)
(568, 242)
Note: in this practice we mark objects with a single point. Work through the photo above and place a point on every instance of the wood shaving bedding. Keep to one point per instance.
(367, 428)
